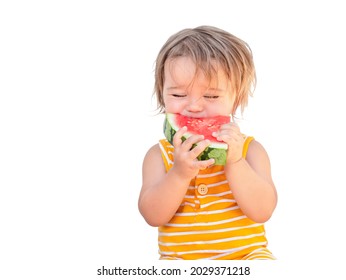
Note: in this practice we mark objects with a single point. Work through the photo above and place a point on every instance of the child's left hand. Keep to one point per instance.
(230, 134)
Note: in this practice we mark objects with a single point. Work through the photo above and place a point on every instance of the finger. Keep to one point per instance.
(223, 128)
(203, 164)
(227, 130)
(230, 126)
(178, 135)
(193, 139)
(231, 137)
(199, 148)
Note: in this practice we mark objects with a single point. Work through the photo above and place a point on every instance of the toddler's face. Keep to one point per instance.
(195, 95)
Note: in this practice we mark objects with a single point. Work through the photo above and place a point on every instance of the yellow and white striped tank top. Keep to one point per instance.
(209, 224)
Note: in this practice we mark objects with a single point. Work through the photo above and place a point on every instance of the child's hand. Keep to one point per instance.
(186, 163)
(230, 134)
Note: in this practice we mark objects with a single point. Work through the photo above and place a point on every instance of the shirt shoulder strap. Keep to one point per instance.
(246, 145)
(167, 153)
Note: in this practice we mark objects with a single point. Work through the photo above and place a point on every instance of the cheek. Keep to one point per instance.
(223, 108)
(228, 106)
(172, 107)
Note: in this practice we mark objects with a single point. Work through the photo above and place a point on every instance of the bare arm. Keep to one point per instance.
(162, 193)
(252, 184)
(250, 179)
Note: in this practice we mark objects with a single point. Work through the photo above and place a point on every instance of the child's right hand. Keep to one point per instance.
(186, 164)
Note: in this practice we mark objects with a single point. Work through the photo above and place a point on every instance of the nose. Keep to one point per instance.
(195, 105)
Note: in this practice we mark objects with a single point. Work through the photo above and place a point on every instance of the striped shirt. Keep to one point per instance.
(209, 223)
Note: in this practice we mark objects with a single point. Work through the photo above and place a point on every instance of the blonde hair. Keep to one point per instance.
(206, 45)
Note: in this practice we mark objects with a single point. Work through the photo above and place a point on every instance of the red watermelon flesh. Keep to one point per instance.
(202, 126)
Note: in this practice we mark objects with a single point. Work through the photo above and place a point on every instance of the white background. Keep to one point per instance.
(77, 117)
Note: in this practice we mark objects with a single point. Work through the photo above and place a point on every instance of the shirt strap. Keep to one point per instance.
(246, 145)
(167, 151)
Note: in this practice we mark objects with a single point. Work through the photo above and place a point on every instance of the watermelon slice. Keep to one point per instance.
(201, 126)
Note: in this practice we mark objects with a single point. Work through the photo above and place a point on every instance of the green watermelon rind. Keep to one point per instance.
(216, 150)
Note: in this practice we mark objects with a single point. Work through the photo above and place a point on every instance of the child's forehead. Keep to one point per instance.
(183, 72)
(186, 67)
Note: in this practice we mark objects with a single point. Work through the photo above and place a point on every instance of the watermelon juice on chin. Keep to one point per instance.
(201, 126)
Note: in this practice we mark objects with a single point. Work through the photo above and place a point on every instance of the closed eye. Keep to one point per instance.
(178, 95)
(211, 96)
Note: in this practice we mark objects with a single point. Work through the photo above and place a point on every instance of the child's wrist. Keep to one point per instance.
(234, 161)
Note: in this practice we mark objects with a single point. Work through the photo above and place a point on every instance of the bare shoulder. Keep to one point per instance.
(153, 169)
(258, 159)
(153, 156)
(153, 162)
(153, 151)
(256, 151)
